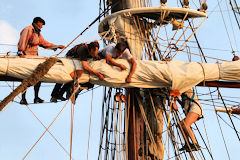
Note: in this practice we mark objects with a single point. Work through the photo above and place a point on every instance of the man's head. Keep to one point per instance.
(120, 47)
(39, 22)
(93, 48)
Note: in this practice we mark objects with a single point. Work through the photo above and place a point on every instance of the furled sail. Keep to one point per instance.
(149, 74)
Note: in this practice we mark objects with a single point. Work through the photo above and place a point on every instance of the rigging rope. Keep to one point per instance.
(229, 115)
(90, 122)
(227, 123)
(185, 138)
(220, 126)
(225, 25)
(72, 120)
(40, 123)
(50, 125)
(94, 21)
(237, 20)
(233, 32)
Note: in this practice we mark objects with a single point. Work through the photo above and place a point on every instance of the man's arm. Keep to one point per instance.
(91, 70)
(48, 45)
(110, 61)
(43, 43)
(133, 69)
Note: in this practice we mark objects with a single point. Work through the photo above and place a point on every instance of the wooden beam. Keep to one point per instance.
(222, 84)
(8, 78)
(230, 110)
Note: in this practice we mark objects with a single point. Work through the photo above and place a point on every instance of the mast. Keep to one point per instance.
(146, 108)
(137, 137)
(139, 145)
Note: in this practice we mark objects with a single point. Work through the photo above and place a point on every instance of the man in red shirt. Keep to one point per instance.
(30, 39)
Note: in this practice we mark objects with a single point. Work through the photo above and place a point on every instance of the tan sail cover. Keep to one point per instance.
(149, 74)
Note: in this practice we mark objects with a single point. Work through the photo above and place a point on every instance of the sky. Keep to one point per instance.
(19, 129)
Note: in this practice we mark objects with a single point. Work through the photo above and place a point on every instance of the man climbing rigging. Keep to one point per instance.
(30, 39)
(119, 51)
(82, 52)
(193, 112)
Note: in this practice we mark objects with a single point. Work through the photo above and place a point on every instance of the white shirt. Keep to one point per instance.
(110, 50)
(126, 55)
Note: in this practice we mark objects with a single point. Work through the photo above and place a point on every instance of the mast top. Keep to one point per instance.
(155, 13)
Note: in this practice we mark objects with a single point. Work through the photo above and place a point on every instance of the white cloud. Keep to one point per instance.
(8, 35)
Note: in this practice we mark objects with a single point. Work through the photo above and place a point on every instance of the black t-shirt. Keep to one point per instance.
(81, 53)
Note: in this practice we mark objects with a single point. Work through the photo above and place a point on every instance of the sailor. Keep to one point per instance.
(82, 52)
(30, 39)
(193, 112)
(119, 51)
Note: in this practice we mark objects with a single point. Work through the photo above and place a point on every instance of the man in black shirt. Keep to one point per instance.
(82, 52)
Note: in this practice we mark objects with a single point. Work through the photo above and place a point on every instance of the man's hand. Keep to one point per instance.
(61, 46)
(122, 67)
(21, 54)
(54, 48)
(128, 79)
(100, 76)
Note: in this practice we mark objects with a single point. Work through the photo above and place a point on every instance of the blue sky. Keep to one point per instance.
(19, 130)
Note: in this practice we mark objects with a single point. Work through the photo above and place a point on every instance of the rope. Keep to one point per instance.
(184, 135)
(39, 122)
(193, 34)
(170, 132)
(220, 128)
(169, 45)
(234, 36)
(9, 104)
(203, 120)
(209, 150)
(90, 122)
(236, 117)
(147, 124)
(227, 123)
(71, 132)
(225, 27)
(33, 79)
(49, 125)
(234, 12)
(204, 75)
(229, 116)
(100, 15)
(195, 3)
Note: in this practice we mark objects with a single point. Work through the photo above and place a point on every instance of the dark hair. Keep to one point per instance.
(121, 46)
(93, 45)
(38, 19)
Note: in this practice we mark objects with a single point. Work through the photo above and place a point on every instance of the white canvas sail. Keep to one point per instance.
(149, 74)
